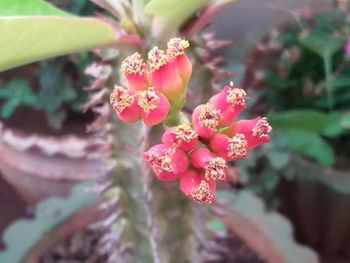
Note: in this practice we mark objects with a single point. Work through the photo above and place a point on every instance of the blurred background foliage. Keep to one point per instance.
(298, 74)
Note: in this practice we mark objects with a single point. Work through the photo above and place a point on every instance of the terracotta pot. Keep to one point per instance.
(318, 203)
(42, 166)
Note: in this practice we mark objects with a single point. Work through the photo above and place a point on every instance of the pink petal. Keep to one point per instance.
(167, 163)
(205, 120)
(154, 106)
(195, 187)
(125, 104)
(182, 136)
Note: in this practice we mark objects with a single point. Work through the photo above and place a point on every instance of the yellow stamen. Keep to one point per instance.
(184, 133)
(236, 96)
(156, 59)
(237, 146)
(161, 163)
(262, 129)
(202, 193)
(209, 117)
(176, 47)
(133, 65)
(121, 99)
(215, 170)
(148, 99)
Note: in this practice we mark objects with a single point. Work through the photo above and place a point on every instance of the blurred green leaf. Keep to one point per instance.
(278, 159)
(173, 13)
(29, 8)
(310, 145)
(269, 180)
(55, 88)
(345, 121)
(56, 119)
(33, 30)
(216, 225)
(311, 121)
(325, 45)
(16, 93)
(341, 82)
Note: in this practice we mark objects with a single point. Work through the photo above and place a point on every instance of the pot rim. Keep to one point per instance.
(68, 145)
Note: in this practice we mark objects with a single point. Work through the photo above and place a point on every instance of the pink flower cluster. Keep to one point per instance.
(155, 86)
(196, 153)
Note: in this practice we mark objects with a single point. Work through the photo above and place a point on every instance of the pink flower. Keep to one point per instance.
(347, 48)
(164, 76)
(229, 148)
(197, 188)
(182, 136)
(125, 104)
(176, 54)
(135, 72)
(167, 163)
(206, 120)
(214, 167)
(154, 106)
(256, 131)
(231, 102)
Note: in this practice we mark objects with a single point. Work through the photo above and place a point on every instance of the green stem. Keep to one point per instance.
(327, 63)
(173, 119)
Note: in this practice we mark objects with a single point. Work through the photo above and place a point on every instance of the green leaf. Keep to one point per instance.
(172, 14)
(278, 159)
(16, 93)
(33, 30)
(29, 8)
(29, 39)
(345, 121)
(216, 225)
(341, 82)
(9, 108)
(310, 145)
(55, 87)
(269, 180)
(172, 11)
(56, 119)
(323, 44)
(311, 121)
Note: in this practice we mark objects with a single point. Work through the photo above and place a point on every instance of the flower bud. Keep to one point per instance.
(205, 120)
(195, 187)
(229, 148)
(256, 131)
(214, 167)
(125, 104)
(135, 72)
(231, 102)
(167, 163)
(164, 76)
(154, 106)
(177, 56)
(182, 136)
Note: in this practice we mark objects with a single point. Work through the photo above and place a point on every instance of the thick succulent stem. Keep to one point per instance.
(148, 197)
(174, 212)
(159, 216)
